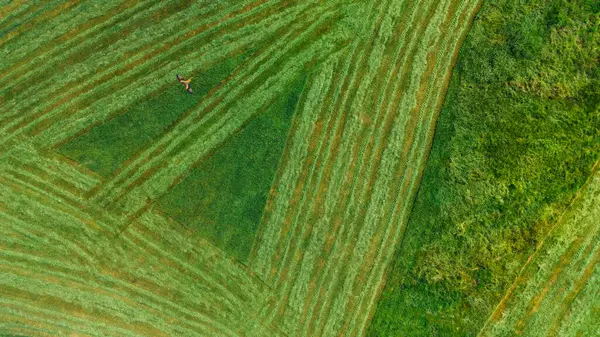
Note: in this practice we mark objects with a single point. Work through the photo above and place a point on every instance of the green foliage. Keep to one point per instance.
(224, 197)
(516, 138)
(104, 148)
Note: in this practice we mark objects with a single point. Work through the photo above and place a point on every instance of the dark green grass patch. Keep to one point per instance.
(224, 197)
(517, 137)
(104, 148)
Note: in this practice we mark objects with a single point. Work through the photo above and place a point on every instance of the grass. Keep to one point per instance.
(107, 146)
(517, 137)
(316, 208)
(556, 293)
(223, 198)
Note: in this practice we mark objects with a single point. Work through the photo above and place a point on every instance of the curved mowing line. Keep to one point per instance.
(175, 145)
(230, 298)
(191, 247)
(114, 77)
(111, 291)
(81, 210)
(185, 117)
(20, 187)
(74, 183)
(368, 153)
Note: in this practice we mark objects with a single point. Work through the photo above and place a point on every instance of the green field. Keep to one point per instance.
(342, 168)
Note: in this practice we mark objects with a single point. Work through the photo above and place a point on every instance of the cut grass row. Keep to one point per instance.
(161, 42)
(242, 170)
(219, 116)
(151, 280)
(327, 244)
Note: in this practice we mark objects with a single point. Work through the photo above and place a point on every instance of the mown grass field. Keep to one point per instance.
(277, 199)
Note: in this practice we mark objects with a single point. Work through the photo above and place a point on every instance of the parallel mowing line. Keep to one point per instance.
(202, 253)
(15, 11)
(406, 201)
(346, 137)
(306, 121)
(579, 284)
(46, 16)
(352, 234)
(65, 133)
(89, 286)
(77, 50)
(74, 120)
(521, 277)
(319, 175)
(150, 57)
(86, 84)
(96, 27)
(355, 177)
(188, 117)
(190, 120)
(188, 267)
(401, 213)
(337, 114)
(175, 145)
(319, 138)
(574, 260)
(175, 38)
(576, 263)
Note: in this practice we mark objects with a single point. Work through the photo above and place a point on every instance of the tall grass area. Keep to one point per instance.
(517, 137)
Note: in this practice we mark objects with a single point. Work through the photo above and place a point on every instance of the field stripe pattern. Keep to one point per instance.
(90, 255)
(322, 250)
